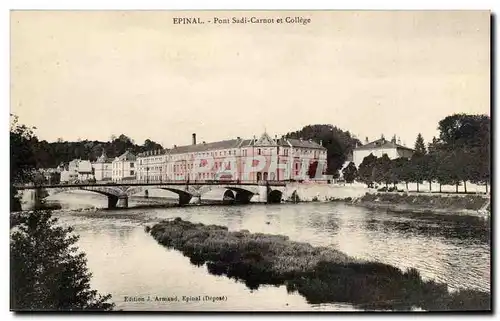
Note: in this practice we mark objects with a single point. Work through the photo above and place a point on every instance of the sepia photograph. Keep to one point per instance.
(193, 161)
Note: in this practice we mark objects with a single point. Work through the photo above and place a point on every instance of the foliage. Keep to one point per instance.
(366, 171)
(28, 152)
(350, 173)
(320, 274)
(47, 272)
(339, 143)
(420, 145)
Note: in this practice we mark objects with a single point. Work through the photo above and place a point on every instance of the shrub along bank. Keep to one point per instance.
(320, 274)
(468, 204)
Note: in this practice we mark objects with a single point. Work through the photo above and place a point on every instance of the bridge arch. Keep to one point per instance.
(241, 195)
(274, 196)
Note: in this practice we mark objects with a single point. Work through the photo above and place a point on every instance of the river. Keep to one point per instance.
(125, 261)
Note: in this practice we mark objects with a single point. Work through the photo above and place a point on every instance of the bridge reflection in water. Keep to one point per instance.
(118, 193)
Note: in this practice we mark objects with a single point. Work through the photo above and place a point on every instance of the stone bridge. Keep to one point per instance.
(118, 194)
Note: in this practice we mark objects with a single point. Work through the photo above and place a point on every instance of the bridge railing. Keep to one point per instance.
(157, 182)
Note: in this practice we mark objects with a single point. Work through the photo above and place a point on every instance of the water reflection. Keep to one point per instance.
(125, 260)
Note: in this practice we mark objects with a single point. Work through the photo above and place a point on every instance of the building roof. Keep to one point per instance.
(152, 153)
(84, 166)
(381, 143)
(203, 147)
(127, 156)
(237, 143)
(304, 143)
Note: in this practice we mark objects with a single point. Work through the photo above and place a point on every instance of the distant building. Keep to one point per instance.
(229, 159)
(85, 172)
(103, 168)
(152, 166)
(380, 147)
(124, 167)
(78, 170)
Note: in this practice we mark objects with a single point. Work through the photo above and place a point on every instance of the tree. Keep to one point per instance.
(418, 164)
(383, 170)
(366, 171)
(468, 138)
(446, 171)
(400, 171)
(350, 172)
(22, 158)
(339, 143)
(47, 272)
(420, 145)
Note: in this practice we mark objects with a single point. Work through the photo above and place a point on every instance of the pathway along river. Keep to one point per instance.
(126, 261)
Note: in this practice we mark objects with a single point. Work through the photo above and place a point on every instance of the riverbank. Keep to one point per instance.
(474, 205)
(320, 274)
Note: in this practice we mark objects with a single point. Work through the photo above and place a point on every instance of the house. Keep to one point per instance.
(85, 171)
(78, 170)
(102, 168)
(123, 167)
(380, 147)
(152, 166)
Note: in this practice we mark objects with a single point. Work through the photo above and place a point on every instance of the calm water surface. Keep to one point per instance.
(125, 261)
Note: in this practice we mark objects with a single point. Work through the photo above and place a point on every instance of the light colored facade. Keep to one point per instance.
(124, 167)
(78, 170)
(85, 171)
(152, 166)
(103, 168)
(380, 147)
(261, 159)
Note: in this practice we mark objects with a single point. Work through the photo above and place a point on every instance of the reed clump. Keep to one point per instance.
(320, 274)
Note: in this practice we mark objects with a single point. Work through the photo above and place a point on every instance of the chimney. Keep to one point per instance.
(300, 138)
(194, 138)
(175, 146)
(366, 140)
(310, 140)
(321, 142)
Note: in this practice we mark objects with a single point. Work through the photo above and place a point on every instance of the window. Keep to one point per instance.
(131, 173)
(258, 151)
(131, 165)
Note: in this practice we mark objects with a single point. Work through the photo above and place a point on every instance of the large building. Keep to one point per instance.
(257, 159)
(123, 167)
(151, 166)
(380, 147)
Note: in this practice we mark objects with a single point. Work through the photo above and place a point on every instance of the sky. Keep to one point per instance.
(94, 74)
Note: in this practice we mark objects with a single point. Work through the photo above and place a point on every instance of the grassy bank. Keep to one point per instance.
(320, 274)
(467, 204)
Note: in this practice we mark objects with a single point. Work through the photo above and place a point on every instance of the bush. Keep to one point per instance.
(320, 274)
(47, 272)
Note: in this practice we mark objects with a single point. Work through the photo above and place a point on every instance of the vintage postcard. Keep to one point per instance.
(250, 161)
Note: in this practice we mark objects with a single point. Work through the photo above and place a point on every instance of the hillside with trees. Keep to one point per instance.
(339, 143)
(50, 155)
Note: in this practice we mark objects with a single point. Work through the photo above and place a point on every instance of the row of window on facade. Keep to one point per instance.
(259, 151)
(259, 176)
